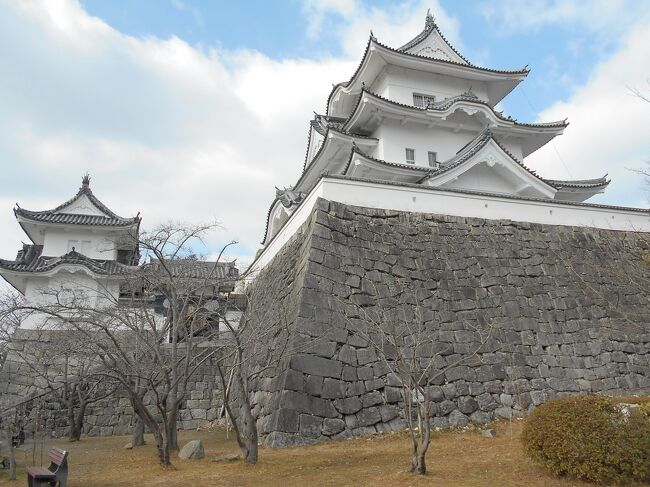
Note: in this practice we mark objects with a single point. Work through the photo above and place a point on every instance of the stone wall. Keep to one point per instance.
(568, 309)
(109, 416)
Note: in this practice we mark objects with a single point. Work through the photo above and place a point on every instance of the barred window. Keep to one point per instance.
(410, 156)
(423, 101)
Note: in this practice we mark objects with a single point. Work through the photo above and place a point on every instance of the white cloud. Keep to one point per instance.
(608, 17)
(316, 12)
(164, 128)
(609, 126)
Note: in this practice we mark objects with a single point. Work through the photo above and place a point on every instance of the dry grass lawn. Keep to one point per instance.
(455, 459)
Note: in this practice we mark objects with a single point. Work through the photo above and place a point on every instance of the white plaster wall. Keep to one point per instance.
(42, 290)
(512, 145)
(395, 138)
(426, 200)
(480, 178)
(83, 206)
(56, 243)
(401, 83)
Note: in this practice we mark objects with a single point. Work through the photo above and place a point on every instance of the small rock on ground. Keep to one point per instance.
(192, 450)
(128, 446)
(489, 433)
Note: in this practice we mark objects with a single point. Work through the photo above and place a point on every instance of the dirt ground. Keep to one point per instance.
(455, 458)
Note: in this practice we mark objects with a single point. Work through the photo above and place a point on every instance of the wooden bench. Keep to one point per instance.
(55, 475)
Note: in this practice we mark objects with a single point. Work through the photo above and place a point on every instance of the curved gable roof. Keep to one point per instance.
(45, 264)
(431, 28)
(58, 215)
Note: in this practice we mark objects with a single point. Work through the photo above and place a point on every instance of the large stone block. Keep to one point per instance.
(314, 365)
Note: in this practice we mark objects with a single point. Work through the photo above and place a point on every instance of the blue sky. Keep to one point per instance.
(560, 54)
(196, 110)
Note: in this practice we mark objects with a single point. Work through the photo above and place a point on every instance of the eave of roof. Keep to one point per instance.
(601, 182)
(197, 269)
(522, 72)
(356, 150)
(56, 216)
(310, 164)
(74, 218)
(47, 264)
(446, 104)
(473, 147)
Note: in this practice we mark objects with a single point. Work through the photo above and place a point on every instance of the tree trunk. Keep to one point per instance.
(137, 436)
(77, 428)
(73, 435)
(424, 438)
(161, 446)
(249, 426)
(12, 456)
(162, 449)
(172, 433)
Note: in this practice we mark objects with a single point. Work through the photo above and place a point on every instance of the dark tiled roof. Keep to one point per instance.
(580, 183)
(45, 264)
(197, 269)
(53, 215)
(473, 147)
(356, 150)
(73, 219)
(449, 102)
(429, 26)
(323, 124)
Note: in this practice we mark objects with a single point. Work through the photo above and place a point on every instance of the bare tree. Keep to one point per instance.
(60, 363)
(399, 324)
(11, 424)
(250, 351)
(152, 337)
(643, 96)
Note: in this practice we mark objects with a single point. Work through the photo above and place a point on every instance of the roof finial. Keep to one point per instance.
(430, 21)
(372, 35)
(85, 181)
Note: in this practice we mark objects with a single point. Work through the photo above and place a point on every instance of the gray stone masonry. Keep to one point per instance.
(110, 416)
(568, 306)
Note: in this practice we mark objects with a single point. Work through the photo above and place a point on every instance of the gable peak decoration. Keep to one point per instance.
(430, 21)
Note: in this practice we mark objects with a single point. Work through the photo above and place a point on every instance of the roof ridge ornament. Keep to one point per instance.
(469, 93)
(372, 36)
(430, 21)
(85, 181)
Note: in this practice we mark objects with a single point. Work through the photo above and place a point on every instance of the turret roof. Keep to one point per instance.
(430, 27)
(58, 215)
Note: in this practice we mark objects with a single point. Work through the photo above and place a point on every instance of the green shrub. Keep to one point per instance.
(589, 437)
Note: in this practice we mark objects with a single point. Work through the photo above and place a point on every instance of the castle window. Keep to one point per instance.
(423, 101)
(410, 156)
(433, 159)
